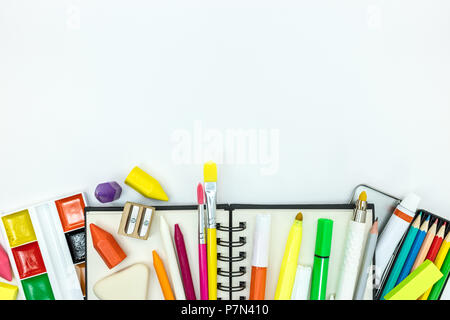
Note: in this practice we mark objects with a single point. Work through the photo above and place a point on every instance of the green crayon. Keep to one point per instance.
(321, 259)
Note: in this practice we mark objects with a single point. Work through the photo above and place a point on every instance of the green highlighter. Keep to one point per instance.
(321, 259)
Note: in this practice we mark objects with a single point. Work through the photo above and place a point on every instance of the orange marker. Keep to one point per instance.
(260, 259)
(106, 246)
(162, 277)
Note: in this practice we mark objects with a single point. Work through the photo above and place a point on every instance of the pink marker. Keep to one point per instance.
(5, 268)
(202, 256)
(184, 264)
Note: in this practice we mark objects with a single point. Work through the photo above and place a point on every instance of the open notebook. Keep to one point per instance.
(235, 243)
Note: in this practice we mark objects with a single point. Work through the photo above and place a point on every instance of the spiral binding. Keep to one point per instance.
(242, 241)
(242, 226)
(242, 255)
(225, 273)
(241, 287)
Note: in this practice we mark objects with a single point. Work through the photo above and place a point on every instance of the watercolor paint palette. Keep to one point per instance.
(47, 248)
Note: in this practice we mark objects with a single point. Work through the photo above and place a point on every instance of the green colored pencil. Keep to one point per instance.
(438, 286)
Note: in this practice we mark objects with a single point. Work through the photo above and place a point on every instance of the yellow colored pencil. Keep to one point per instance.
(439, 261)
(286, 278)
(426, 244)
(445, 247)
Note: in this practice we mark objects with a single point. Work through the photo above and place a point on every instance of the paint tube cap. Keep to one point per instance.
(323, 237)
(261, 241)
(411, 202)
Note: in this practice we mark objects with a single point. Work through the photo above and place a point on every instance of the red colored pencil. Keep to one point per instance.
(436, 244)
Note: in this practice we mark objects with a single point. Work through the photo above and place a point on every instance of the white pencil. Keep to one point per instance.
(172, 263)
(367, 262)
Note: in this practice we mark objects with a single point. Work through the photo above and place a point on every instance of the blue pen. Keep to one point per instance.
(401, 258)
(414, 251)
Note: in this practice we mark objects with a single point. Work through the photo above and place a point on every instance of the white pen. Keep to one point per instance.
(353, 250)
(367, 262)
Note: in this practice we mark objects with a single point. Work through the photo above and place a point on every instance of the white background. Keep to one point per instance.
(358, 91)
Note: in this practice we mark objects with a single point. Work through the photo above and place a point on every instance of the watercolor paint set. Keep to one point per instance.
(47, 248)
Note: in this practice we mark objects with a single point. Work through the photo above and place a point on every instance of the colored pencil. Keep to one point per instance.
(439, 286)
(426, 244)
(437, 242)
(401, 258)
(162, 277)
(443, 251)
(367, 261)
(441, 245)
(184, 264)
(406, 269)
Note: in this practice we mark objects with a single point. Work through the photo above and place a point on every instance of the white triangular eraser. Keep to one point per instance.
(130, 283)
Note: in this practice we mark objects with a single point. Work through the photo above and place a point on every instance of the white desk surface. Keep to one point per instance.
(357, 91)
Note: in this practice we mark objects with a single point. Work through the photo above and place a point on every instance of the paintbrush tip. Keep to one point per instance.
(200, 194)
(210, 172)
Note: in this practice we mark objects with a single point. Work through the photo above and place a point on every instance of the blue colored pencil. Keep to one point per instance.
(400, 261)
(414, 251)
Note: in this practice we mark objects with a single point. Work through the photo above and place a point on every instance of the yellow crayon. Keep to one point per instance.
(289, 264)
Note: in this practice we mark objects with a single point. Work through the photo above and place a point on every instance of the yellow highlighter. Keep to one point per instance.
(289, 263)
(210, 177)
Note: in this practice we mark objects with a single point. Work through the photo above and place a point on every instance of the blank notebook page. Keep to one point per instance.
(141, 250)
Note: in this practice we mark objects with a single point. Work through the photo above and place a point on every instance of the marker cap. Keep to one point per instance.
(323, 237)
(411, 202)
(261, 241)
